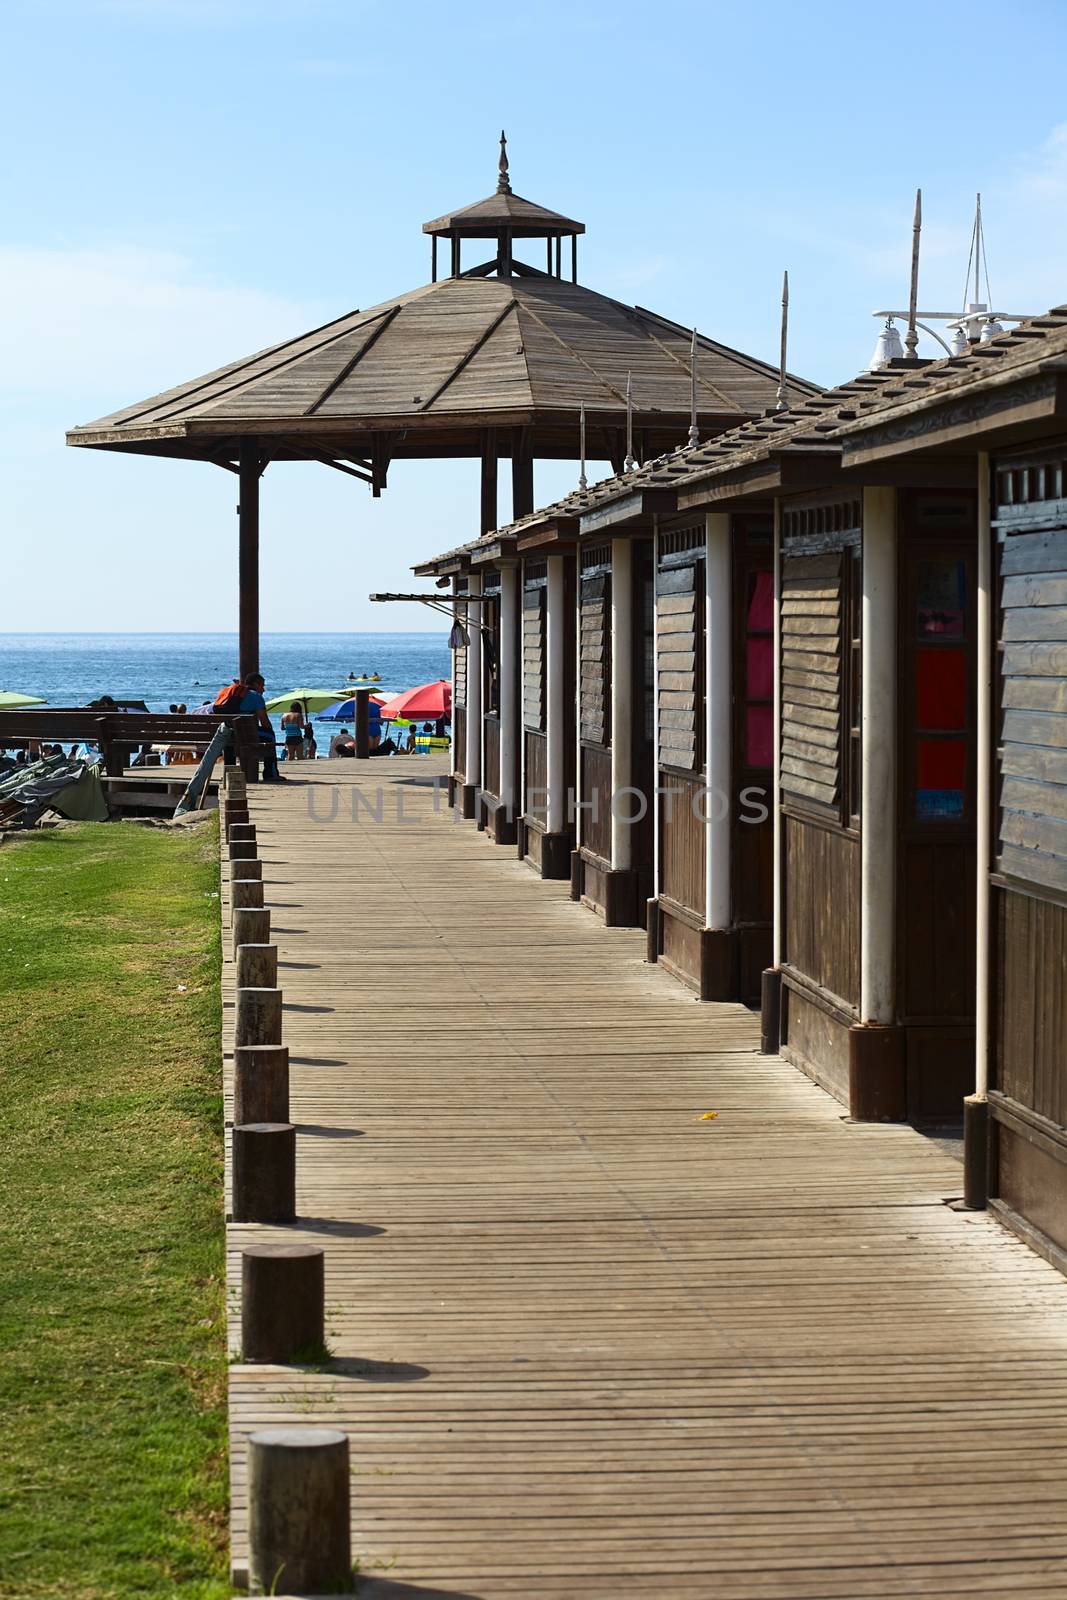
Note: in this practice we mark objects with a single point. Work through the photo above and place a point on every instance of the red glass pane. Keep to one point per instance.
(941, 689)
(759, 736)
(759, 669)
(761, 603)
(941, 764)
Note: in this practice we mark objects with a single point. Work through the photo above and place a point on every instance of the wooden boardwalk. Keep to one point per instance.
(589, 1345)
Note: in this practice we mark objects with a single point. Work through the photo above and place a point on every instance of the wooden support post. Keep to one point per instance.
(362, 709)
(232, 812)
(260, 1083)
(246, 871)
(264, 1172)
(574, 258)
(251, 924)
(508, 668)
(259, 1017)
(242, 849)
(718, 712)
(299, 1511)
(559, 258)
(652, 930)
(249, 468)
(489, 473)
(555, 630)
(257, 966)
(622, 677)
(283, 1293)
(433, 258)
(243, 832)
(522, 482)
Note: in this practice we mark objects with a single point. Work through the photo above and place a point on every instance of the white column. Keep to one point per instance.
(984, 749)
(507, 679)
(556, 625)
(718, 706)
(473, 770)
(622, 701)
(776, 780)
(878, 739)
(654, 797)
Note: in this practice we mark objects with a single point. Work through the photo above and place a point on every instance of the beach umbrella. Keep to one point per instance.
(429, 702)
(11, 700)
(346, 711)
(310, 699)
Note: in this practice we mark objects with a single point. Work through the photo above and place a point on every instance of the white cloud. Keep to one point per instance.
(111, 325)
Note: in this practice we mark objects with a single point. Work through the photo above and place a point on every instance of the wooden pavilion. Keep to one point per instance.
(492, 362)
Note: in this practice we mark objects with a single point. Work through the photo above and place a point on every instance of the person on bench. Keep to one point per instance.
(253, 704)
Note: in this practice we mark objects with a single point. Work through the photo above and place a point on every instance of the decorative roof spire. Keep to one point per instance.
(503, 185)
(583, 482)
(782, 403)
(911, 338)
(629, 463)
(694, 433)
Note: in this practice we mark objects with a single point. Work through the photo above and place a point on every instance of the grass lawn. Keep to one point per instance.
(113, 1476)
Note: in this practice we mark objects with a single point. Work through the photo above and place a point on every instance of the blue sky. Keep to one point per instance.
(194, 179)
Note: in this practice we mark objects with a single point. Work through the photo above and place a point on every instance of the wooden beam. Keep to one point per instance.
(489, 467)
(249, 467)
(349, 366)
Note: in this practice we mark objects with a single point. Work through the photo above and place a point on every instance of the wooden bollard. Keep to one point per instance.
(260, 1083)
(245, 871)
(299, 1511)
(259, 1017)
(283, 1302)
(241, 830)
(257, 966)
(232, 814)
(251, 925)
(245, 892)
(242, 849)
(264, 1172)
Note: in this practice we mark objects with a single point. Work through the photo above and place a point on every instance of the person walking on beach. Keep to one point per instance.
(293, 732)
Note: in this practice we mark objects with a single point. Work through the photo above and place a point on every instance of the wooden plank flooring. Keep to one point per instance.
(587, 1344)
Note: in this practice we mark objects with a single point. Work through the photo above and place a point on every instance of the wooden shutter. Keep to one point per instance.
(677, 618)
(533, 659)
(811, 677)
(1032, 841)
(461, 675)
(595, 666)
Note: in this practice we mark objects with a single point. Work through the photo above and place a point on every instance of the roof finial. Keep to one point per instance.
(694, 434)
(503, 185)
(782, 403)
(583, 483)
(629, 464)
(911, 338)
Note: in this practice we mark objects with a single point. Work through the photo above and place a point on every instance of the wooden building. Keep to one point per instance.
(492, 361)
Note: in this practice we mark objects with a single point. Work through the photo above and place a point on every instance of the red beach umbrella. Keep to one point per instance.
(428, 703)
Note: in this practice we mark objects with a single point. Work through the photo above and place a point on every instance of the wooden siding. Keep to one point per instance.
(535, 787)
(1032, 841)
(491, 759)
(678, 625)
(811, 678)
(533, 659)
(596, 801)
(595, 660)
(1032, 1002)
(822, 906)
(682, 834)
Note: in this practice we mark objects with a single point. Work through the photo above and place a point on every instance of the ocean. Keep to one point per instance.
(163, 669)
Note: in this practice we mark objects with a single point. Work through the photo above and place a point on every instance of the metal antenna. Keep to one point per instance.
(582, 484)
(911, 338)
(503, 183)
(629, 464)
(783, 399)
(694, 435)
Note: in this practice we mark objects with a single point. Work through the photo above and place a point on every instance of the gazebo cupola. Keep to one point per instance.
(504, 218)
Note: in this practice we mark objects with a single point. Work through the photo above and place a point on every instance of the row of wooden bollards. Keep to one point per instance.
(298, 1478)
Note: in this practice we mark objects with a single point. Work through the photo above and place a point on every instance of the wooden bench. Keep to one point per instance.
(118, 735)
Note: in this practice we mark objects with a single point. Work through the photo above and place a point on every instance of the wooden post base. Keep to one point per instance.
(652, 930)
(771, 1012)
(299, 1512)
(245, 894)
(244, 831)
(242, 849)
(251, 925)
(466, 800)
(877, 1075)
(975, 1152)
(257, 966)
(264, 1172)
(246, 871)
(282, 1302)
(260, 1083)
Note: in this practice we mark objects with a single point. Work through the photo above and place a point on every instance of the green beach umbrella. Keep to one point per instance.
(11, 700)
(310, 699)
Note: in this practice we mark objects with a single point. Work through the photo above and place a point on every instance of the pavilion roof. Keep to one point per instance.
(487, 217)
(463, 351)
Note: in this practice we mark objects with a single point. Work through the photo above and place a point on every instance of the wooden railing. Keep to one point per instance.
(118, 735)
